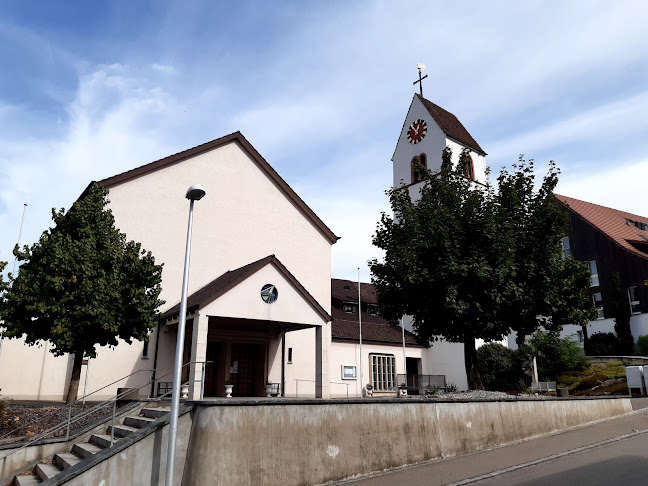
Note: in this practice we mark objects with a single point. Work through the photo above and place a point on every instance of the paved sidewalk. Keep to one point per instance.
(460, 468)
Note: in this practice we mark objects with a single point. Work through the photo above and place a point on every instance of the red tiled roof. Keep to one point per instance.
(238, 138)
(230, 279)
(617, 225)
(374, 328)
(450, 125)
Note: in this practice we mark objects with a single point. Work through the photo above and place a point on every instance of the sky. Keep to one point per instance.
(321, 89)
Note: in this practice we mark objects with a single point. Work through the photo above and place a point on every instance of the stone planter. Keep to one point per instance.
(184, 391)
(562, 392)
(228, 390)
(268, 389)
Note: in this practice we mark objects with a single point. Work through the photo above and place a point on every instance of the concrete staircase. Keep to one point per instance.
(82, 451)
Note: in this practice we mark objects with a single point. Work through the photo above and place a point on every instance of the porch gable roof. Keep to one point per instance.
(230, 279)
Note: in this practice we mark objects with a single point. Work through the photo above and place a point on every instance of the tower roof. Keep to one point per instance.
(450, 125)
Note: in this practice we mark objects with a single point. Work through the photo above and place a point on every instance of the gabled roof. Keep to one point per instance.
(617, 225)
(239, 139)
(450, 125)
(230, 279)
(345, 325)
(347, 291)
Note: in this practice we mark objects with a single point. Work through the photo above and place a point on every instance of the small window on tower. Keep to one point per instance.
(289, 355)
(416, 173)
(467, 162)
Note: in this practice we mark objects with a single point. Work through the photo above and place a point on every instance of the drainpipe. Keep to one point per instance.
(283, 364)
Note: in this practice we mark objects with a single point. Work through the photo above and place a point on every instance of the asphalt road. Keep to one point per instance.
(606, 453)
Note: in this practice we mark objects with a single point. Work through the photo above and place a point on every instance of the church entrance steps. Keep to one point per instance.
(83, 452)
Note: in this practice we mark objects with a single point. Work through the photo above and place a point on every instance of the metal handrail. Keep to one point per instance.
(112, 401)
(76, 402)
(340, 383)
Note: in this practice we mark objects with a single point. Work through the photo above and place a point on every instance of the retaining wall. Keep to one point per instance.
(293, 442)
(308, 444)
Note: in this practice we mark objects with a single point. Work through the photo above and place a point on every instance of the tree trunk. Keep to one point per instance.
(73, 390)
(472, 368)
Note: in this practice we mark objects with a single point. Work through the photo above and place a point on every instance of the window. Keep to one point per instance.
(579, 335)
(594, 272)
(566, 249)
(350, 308)
(289, 355)
(383, 372)
(145, 350)
(469, 169)
(416, 172)
(598, 303)
(633, 296)
(372, 309)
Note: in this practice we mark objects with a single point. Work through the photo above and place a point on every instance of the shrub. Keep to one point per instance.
(556, 355)
(643, 345)
(499, 367)
(604, 344)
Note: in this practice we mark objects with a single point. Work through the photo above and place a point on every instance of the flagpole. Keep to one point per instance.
(360, 324)
(404, 358)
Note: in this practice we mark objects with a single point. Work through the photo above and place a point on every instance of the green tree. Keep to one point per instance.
(468, 263)
(445, 264)
(83, 285)
(621, 310)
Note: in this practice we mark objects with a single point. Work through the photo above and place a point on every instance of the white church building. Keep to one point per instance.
(260, 288)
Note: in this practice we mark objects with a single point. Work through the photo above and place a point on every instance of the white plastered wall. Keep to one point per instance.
(348, 354)
(243, 218)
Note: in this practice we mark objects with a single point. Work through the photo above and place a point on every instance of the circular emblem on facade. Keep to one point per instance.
(416, 131)
(269, 293)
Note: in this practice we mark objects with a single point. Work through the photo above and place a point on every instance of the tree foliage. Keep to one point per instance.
(555, 355)
(83, 285)
(469, 263)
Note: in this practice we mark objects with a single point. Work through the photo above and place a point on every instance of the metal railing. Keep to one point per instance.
(421, 382)
(56, 429)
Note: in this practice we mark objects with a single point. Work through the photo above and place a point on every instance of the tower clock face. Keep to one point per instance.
(416, 131)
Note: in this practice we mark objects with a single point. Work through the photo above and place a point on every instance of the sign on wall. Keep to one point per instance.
(348, 372)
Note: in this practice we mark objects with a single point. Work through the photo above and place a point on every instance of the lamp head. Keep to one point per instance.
(421, 67)
(196, 192)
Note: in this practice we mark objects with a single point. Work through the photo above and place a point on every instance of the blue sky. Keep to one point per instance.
(90, 89)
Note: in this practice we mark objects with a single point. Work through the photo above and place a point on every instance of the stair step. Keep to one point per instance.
(86, 449)
(63, 460)
(122, 430)
(26, 480)
(102, 440)
(155, 412)
(46, 470)
(138, 422)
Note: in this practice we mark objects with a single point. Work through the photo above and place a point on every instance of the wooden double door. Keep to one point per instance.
(242, 362)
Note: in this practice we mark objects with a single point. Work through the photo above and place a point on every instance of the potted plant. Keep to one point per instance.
(368, 390)
(228, 388)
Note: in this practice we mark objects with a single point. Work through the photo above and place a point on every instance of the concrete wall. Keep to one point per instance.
(143, 463)
(293, 443)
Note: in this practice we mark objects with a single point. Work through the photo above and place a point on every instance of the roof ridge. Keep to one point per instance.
(450, 125)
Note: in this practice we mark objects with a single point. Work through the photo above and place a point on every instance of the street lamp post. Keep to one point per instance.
(194, 193)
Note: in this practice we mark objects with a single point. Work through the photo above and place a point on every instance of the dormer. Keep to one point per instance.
(428, 129)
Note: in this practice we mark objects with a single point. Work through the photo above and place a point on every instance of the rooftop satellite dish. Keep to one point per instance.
(421, 67)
